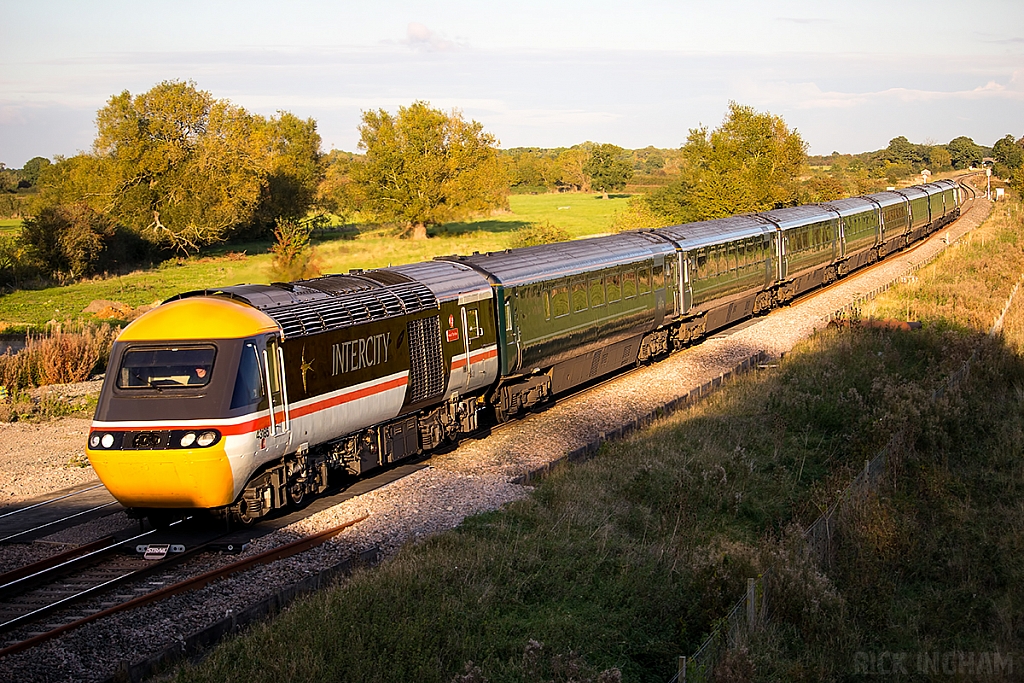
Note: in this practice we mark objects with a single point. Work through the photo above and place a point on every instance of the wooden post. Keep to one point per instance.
(751, 604)
(682, 670)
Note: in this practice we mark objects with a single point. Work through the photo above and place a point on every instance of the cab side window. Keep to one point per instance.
(249, 381)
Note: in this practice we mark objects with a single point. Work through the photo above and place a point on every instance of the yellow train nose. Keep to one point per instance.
(179, 478)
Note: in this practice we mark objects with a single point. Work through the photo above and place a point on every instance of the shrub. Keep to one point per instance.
(294, 259)
(637, 215)
(68, 239)
(539, 233)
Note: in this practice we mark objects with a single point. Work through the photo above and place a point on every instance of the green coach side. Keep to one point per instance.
(559, 301)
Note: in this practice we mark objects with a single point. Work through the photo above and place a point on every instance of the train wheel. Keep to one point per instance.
(296, 494)
(240, 514)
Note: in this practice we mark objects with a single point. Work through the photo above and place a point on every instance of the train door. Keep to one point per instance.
(471, 331)
(783, 255)
(278, 432)
(840, 251)
(684, 288)
(513, 348)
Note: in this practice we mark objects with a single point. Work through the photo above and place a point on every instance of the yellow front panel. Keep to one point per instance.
(180, 478)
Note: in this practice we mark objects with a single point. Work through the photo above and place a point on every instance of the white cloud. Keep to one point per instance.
(422, 38)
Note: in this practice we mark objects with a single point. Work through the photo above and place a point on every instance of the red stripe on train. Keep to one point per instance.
(264, 421)
(477, 356)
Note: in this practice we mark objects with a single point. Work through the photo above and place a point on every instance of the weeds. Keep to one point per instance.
(62, 355)
(65, 354)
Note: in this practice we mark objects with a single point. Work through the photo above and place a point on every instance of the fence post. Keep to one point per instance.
(751, 604)
(682, 670)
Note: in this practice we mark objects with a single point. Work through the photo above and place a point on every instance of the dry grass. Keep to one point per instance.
(64, 354)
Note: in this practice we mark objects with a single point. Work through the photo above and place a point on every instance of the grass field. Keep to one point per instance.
(9, 226)
(579, 214)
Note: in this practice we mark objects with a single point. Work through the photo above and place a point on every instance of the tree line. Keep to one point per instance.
(174, 170)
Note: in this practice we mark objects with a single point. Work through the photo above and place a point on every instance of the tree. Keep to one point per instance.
(964, 152)
(293, 257)
(750, 163)
(184, 169)
(295, 168)
(902, 151)
(1009, 156)
(608, 168)
(571, 165)
(67, 240)
(32, 168)
(939, 158)
(424, 166)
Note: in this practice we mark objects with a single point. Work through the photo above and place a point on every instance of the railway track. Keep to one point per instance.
(35, 608)
(47, 515)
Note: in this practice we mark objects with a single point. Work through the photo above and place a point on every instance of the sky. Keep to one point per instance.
(849, 76)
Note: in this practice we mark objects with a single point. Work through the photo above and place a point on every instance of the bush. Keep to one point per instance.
(540, 233)
(67, 240)
(637, 215)
(293, 257)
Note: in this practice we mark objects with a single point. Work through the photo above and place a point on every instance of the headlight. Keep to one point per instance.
(107, 440)
(206, 438)
(188, 439)
(94, 441)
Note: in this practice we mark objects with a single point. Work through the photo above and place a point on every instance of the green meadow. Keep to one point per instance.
(368, 246)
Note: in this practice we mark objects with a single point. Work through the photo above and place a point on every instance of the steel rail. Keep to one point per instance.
(58, 521)
(54, 560)
(193, 583)
(52, 500)
(71, 564)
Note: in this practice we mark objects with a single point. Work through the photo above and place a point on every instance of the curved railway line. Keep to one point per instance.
(38, 602)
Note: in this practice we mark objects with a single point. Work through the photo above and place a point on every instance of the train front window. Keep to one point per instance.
(171, 367)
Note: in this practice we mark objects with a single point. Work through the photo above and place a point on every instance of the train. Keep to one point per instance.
(246, 399)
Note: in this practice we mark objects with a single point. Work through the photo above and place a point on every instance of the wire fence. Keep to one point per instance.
(751, 611)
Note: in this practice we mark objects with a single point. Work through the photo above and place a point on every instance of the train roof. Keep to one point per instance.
(914, 192)
(707, 233)
(331, 302)
(448, 280)
(798, 216)
(887, 198)
(849, 206)
(526, 265)
(938, 187)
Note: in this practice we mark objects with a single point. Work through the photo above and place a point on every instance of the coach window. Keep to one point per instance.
(547, 305)
(644, 275)
(579, 295)
(560, 301)
(614, 289)
(659, 277)
(629, 284)
(508, 314)
(597, 292)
